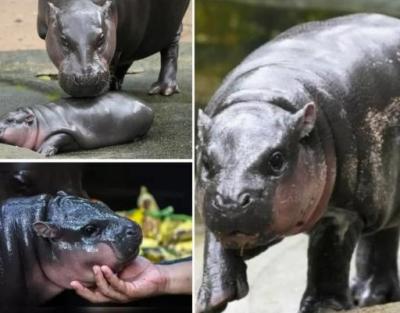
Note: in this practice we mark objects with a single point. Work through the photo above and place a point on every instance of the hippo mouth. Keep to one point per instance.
(125, 257)
(242, 241)
(85, 86)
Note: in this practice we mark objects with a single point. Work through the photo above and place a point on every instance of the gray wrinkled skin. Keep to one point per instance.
(94, 42)
(303, 136)
(76, 124)
(49, 241)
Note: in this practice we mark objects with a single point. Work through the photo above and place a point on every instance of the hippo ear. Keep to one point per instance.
(106, 7)
(203, 125)
(61, 193)
(29, 118)
(53, 11)
(305, 119)
(46, 230)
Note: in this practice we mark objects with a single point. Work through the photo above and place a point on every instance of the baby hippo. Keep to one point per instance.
(75, 124)
(47, 242)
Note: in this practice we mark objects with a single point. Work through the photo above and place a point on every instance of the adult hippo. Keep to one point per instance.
(94, 42)
(304, 136)
(75, 124)
(49, 241)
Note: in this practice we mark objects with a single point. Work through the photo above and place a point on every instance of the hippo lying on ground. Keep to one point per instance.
(47, 242)
(304, 136)
(94, 42)
(75, 124)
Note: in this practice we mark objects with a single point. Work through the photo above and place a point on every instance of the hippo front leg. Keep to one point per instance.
(56, 143)
(377, 280)
(332, 242)
(224, 277)
(166, 84)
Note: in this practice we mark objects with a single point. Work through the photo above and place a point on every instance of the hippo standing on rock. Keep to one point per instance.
(75, 124)
(304, 136)
(47, 242)
(94, 42)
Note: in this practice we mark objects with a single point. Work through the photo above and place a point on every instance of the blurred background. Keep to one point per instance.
(226, 32)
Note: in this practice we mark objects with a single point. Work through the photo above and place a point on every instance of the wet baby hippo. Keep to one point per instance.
(47, 242)
(304, 136)
(76, 124)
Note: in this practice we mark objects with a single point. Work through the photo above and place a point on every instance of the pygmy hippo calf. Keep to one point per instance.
(304, 136)
(94, 42)
(75, 124)
(47, 242)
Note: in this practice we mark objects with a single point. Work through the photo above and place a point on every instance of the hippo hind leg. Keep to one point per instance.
(377, 279)
(57, 143)
(166, 84)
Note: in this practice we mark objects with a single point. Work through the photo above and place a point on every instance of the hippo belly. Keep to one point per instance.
(303, 136)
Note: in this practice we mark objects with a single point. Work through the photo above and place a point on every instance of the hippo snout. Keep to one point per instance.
(128, 241)
(237, 205)
(83, 85)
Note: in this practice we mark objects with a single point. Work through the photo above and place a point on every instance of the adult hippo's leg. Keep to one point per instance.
(224, 277)
(332, 242)
(166, 84)
(377, 278)
(56, 143)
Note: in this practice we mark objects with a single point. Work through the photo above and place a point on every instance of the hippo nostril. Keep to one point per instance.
(130, 232)
(245, 200)
(218, 202)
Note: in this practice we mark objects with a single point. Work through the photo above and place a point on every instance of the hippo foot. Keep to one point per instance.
(48, 151)
(164, 88)
(215, 301)
(376, 290)
(327, 305)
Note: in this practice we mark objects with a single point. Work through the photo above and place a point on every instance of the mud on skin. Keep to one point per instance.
(47, 242)
(76, 124)
(94, 42)
(303, 136)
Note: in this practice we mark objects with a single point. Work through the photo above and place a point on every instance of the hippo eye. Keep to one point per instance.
(64, 41)
(9, 120)
(100, 40)
(205, 160)
(276, 163)
(90, 230)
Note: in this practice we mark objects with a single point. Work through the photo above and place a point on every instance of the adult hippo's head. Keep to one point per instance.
(81, 42)
(79, 233)
(262, 170)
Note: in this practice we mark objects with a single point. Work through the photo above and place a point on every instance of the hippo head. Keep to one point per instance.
(261, 177)
(81, 41)
(18, 128)
(80, 233)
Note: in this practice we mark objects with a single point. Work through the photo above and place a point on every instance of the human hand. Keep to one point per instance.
(140, 279)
